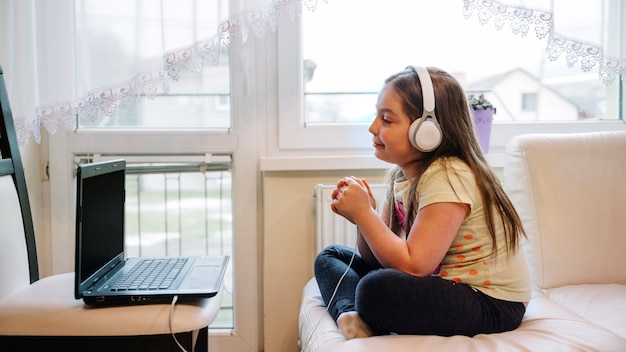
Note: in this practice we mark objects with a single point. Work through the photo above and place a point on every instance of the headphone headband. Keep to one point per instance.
(428, 93)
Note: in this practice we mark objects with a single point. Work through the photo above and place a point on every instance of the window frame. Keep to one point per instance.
(150, 143)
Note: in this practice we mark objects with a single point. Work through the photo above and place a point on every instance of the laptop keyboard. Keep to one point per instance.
(151, 274)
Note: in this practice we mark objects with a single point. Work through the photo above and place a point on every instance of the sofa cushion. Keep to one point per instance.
(569, 192)
(547, 326)
(603, 305)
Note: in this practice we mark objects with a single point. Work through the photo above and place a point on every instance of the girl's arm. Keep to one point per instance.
(433, 231)
(362, 246)
(364, 249)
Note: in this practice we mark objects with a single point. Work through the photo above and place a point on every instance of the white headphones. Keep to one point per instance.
(425, 132)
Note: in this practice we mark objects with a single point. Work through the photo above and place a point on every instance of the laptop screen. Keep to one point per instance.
(100, 196)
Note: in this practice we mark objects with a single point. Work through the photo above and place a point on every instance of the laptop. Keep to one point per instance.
(102, 268)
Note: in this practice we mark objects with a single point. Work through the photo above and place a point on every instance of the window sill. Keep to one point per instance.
(347, 162)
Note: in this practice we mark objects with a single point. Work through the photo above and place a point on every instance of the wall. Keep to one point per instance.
(289, 247)
(38, 197)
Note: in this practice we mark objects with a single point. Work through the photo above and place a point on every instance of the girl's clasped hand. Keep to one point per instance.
(352, 196)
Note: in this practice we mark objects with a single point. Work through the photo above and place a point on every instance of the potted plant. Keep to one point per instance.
(482, 111)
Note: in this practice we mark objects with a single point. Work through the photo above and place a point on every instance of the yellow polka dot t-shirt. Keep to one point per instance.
(503, 275)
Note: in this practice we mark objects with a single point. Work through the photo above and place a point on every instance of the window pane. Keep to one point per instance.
(344, 68)
(172, 111)
(182, 214)
(118, 39)
(529, 101)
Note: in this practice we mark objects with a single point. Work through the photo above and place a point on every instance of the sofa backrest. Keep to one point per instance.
(570, 192)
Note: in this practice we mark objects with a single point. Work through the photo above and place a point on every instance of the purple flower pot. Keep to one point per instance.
(482, 125)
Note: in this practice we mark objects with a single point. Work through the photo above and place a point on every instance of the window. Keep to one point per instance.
(343, 65)
(529, 101)
(173, 208)
(343, 84)
(170, 128)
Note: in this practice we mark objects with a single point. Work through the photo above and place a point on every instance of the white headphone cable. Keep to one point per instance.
(332, 297)
(171, 321)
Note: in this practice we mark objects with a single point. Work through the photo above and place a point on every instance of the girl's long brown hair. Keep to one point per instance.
(458, 140)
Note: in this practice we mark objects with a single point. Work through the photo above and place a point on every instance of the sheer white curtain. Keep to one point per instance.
(587, 34)
(48, 86)
(18, 58)
(168, 38)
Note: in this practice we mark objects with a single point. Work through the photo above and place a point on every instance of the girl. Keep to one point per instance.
(443, 256)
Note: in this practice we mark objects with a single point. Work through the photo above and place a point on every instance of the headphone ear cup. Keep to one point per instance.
(413, 133)
(425, 135)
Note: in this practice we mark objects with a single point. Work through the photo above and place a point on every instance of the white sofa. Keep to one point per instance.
(570, 191)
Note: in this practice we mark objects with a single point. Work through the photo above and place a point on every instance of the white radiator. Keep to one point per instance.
(331, 228)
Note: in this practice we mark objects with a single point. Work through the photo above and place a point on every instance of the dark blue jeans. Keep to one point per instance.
(391, 301)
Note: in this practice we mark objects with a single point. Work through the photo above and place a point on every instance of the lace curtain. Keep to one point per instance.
(558, 22)
(37, 36)
(28, 50)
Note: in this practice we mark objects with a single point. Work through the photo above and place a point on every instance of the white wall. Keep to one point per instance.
(289, 247)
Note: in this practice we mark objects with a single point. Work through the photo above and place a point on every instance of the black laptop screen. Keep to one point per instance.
(100, 223)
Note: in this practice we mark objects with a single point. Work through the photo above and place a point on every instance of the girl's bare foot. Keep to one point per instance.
(352, 326)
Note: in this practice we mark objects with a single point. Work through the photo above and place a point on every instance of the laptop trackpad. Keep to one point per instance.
(201, 277)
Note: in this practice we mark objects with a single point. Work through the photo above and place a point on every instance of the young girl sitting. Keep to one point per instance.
(443, 256)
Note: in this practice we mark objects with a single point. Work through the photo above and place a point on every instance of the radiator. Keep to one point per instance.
(331, 228)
